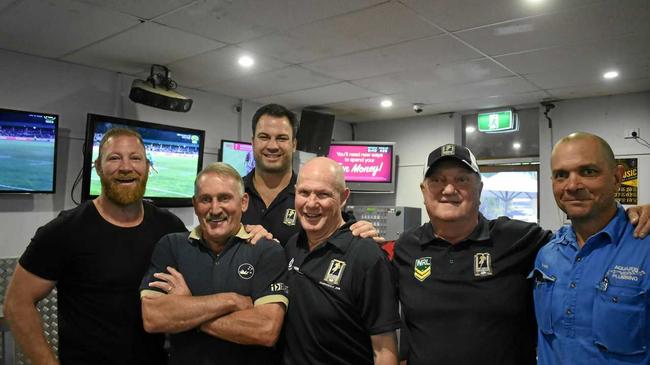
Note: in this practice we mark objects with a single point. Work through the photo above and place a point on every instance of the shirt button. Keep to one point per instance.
(451, 261)
(569, 312)
(572, 285)
(579, 259)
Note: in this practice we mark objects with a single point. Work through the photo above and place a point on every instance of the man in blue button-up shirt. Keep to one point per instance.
(591, 280)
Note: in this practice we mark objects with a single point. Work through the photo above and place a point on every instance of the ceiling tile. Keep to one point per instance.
(369, 28)
(454, 15)
(401, 57)
(238, 21)
(142, 9)
(601, 89)
(54, 28)
(605, 20)
(269, 83)
(588, 74)
(218, 65)
(603, 53)
(139, 47)
(318, 96)
(434, 76)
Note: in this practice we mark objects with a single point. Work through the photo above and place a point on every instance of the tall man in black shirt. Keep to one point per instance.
(96, 255)
(271, 184)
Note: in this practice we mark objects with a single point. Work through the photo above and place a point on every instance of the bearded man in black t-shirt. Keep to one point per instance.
(95, 255)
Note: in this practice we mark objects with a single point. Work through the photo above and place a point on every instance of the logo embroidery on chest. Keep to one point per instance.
(482, 264)
(289, 217)
(334, 272)
(246, 271)
(422, 268)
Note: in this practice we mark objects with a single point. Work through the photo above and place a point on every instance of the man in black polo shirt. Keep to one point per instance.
(270, 185)
(343, 300)
(462, 278)
(222, 300)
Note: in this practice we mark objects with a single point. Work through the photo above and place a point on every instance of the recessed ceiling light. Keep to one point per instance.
(246, 61)
(516, 145)
(534, 2)
(610, 75)
(470, 129)
(386, 103)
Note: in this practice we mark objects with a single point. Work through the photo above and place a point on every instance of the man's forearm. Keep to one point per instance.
(178, 313)
(27, 328)
(260, 325)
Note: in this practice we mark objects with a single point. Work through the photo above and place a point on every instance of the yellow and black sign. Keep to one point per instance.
(628, 192)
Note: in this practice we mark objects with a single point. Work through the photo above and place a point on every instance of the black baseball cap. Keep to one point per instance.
(453, 151)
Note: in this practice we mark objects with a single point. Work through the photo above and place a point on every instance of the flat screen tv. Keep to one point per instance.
(175, 153)
(368, 166)
(28, 151)
(238, 155)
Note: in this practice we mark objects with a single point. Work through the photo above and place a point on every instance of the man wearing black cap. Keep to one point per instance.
(462, 278)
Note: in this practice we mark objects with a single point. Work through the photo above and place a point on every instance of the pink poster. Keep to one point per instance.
(363, 163)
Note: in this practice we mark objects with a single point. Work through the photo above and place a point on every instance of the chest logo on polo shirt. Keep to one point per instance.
(422, 268)
(334, 272)
(482, 264)
(289, 217)
(246, 271)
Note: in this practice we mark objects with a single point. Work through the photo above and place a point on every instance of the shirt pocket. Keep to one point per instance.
(543, 293)
(619, 320)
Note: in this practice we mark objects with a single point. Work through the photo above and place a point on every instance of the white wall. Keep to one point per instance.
(607, 117)
(416, 138)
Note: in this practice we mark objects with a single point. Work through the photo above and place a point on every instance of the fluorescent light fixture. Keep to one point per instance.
(516, 145)
(386, 103)
(470, 129)
(246, 61)
(610, 75)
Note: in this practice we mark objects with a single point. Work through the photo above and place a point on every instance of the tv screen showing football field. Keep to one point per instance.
(175, 156)
(27, 151)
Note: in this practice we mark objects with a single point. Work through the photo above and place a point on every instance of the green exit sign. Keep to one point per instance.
(498, 121)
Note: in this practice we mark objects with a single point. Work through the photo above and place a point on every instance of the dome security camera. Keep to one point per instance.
(417, 108)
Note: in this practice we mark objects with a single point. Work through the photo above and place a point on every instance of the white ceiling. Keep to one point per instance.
(348, 55)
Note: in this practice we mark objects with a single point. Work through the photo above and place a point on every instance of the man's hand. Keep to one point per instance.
(172, 283)
(365, 229)
(640, 217)
(242, 302)
(257, 232)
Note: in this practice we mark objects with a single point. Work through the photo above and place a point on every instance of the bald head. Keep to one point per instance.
(602, 146)
(325, 169)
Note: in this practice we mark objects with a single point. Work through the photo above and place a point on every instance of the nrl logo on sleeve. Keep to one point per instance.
(422, 268)
(482, 264)
(334, 272)
(289, 217)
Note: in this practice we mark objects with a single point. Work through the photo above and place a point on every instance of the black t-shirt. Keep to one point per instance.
(340, 294)
(469, 303)
(98, 268)
(279, 217)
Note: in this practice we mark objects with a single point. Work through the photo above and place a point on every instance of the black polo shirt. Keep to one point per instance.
(258, 271)
(280, 217)
(469, 303)
(341, 293)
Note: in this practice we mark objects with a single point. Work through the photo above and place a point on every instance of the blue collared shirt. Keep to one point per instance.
(592, 303)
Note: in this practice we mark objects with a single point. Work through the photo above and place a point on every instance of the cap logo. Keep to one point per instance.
(448, 149)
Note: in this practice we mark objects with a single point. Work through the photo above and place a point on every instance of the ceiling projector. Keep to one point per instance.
(158, 91)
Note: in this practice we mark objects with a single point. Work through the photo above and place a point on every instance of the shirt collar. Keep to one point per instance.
(611, 233)
(480, 233)
(250, 187)
(341, 243)
(197, 233)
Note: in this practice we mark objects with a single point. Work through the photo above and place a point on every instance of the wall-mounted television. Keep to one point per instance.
(238, 155)
(176, 155)
(28, 143)
(368, 166)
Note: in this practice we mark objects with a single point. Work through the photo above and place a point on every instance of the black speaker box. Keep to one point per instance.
(315, 132)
